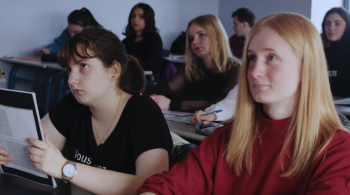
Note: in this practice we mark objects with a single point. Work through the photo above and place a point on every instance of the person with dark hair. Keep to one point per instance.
(142, 38)
(78, 20)
(116, 137)
(336, 42)
(243, 21)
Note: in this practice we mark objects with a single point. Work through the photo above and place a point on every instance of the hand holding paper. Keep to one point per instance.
(4, 158)
(46, 157)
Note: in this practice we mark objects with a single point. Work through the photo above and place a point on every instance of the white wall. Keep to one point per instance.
(261, 8)
(319, 9)
(27, 26)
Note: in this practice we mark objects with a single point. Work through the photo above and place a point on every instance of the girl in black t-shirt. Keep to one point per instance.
(142, 38)
(336, 42)
(116, 138)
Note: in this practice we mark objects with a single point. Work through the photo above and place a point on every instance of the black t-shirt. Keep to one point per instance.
(141, 127)
(148, 51)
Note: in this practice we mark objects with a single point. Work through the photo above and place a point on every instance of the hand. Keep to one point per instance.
(46, 157)
(4, 158)
(162, 101)
(200, 116)
(44, 51)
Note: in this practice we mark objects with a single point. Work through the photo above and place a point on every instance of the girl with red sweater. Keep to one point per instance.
(286, 137)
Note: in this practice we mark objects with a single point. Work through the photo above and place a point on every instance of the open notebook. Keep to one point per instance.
(19, 120)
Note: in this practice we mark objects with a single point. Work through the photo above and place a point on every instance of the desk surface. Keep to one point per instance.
(13, 185)
(176, 60)
(52, 65)
(185, 130)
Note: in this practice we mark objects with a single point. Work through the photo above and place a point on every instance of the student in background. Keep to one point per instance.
(210, 71)
(243, 21)
(286, 137)
(78, 20)
(116, 138)
(336, 42)
(142, 39)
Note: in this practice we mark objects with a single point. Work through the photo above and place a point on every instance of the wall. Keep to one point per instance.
(260, 9)
(27, 26)
(319, 9)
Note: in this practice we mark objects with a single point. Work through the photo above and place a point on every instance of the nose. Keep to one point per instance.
(256, 69)
(195, 40)
(72, 34)
(73, 78)
(331, 27)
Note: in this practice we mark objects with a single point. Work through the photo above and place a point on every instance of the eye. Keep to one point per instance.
(272, 57)
(68, 70)
(252, 58)
(190, 39)
(337, 24)
(141, 16)
(84, 66)
(201, 34)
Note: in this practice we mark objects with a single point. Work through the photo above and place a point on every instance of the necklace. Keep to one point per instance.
(93, 120)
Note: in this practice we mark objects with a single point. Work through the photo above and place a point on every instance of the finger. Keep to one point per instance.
(35, 158)
(37, 143)
(47, 140)
(4, 152)
(198, 114)
(193, 120)
(35, 151)
(5, 160)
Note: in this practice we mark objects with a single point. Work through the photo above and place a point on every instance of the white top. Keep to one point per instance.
(227, 105)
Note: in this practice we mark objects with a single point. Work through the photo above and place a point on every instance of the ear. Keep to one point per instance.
(246, 24)
(115, 70)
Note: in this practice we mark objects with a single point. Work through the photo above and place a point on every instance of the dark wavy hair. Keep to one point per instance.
(106, 46)
(343, 13)
(83, 18)
(148, 15)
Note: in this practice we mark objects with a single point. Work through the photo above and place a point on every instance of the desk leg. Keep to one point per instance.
(48, 90)
(13, 75)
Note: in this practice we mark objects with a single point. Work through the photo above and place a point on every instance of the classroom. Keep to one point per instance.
(194, 125)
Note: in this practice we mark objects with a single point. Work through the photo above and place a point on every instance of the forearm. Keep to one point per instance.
(102, 181)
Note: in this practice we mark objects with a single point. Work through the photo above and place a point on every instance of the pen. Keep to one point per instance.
(216, 111)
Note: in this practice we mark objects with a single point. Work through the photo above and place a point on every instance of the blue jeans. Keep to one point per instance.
(180, 153)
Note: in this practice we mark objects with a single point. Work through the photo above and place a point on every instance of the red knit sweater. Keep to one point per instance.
(205, 172)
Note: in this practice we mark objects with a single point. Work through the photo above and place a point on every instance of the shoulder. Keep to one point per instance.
(143, 104)
(222, 134)
(233, 66)
(341, 139)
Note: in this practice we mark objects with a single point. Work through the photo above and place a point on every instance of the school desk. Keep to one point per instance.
(185, 130)
(12, 185)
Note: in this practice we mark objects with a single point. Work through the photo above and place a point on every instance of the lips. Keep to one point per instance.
(259, 86)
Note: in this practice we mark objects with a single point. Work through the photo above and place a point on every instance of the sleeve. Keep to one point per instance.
(58, 42)
(192, 105)
(332, 175)
(173, 87)
(155, 54)
(227, 105)
(62, 114)
(193, 175)
(150, 129)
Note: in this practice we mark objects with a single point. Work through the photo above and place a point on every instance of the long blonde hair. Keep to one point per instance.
(314, 120)
(221, 52)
